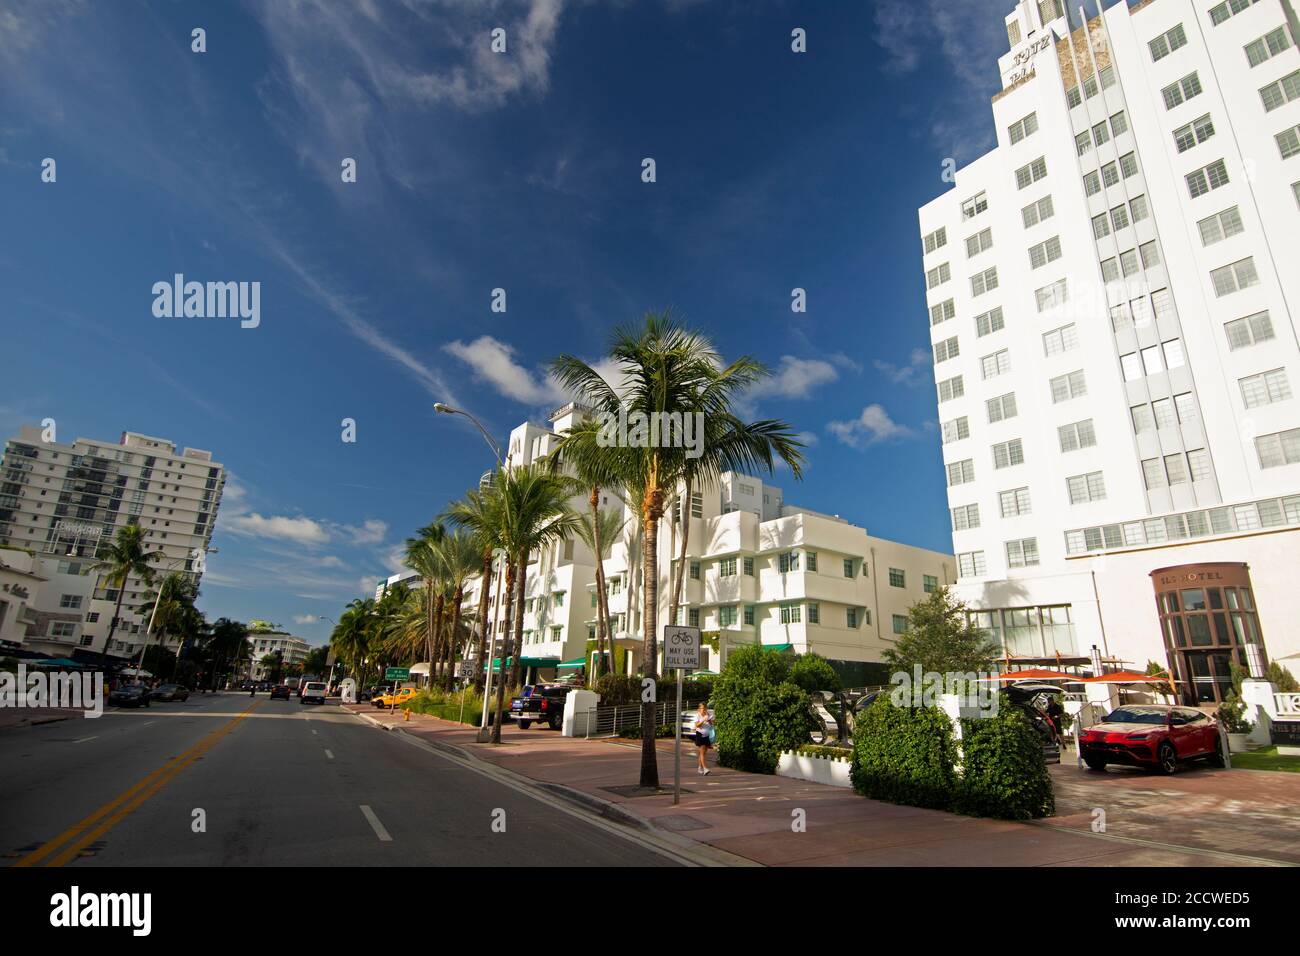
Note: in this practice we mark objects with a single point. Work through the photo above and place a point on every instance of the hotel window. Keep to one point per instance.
(1066, 387)
(1177, 93)
(788, 561)
(1142, 419)
(72, 601)
(1248, 331)
(1036, 212)
(1267, 46)
(900, 623)
(1265, 388)
(999, 363)
(929, 583)
(1022, 553)
(1153, 474)
(1045, 252)
(1110, 269)
(1128, 262)
(945, 350)
(1138, 208)
(965, 517)
(1072, 97)
(1083, 142)
(1220, 226)
(1163, 302)
(1128, 165)
(1198, 462)
(557, 599)
(1176, 469)
(971, 564)
(749, 615)
(985, 281)
(695, 570)
(1281, 92)
(1109, 174)
(848, 567)
(1167, 43)
(1092, 183)
(1100, 226)
(938, 275)
(936, 240)
(812, 560)
(1234, 277)
(1077, 435)
(942, 312)
(1013, 32)
(1201, 181)
(1100, 134)
(1050, 296)
(951, 388)
(1288, 142)
(1049, 10)
(1008, 453)
(1194, 133)
(1014, 502)
(727, 568)
(1150, 254)
(961, 472)
(1060, 340)
(747, 565)
(955, 430)
(814, 612)
(1001, 408)
(1185, 405)
(692, 617)
(1119, 217)
(1031, 173)
(1085, 488)
(1022, 128)
(897, 578)
(1281, 448)
(727, 615)
(791, 613)
(851, 617)
(62, 629)
(979, 242)
(989, 322)
(1164, 413)
(1228, 8)
(1118, 124)
(970, 208)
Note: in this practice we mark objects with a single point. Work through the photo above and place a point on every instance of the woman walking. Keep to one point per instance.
(704, 735)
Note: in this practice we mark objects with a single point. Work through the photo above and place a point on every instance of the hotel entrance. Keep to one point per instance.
(1208, 620)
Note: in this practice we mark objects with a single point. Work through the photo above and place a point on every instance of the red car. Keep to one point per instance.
(1155, 736)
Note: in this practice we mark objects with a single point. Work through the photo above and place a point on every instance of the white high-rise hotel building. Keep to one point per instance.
(1113, 295)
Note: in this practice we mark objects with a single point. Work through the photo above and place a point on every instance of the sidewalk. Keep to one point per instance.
(28, 716)
(750, 815)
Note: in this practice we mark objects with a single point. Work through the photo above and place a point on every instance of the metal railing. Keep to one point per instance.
(610, 721)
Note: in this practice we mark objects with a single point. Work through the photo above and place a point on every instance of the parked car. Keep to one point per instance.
(281, 692)
(313, 691)
(170, 692)
(391, 698)
(541, 703)
(130, 695)
(1155, 736)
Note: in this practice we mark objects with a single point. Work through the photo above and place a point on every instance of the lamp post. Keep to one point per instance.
(157, 598)
(321, 617)
(444, 409)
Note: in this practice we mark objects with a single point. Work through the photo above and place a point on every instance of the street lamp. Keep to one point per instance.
(443, 409)
(149, 630)
(321, 617)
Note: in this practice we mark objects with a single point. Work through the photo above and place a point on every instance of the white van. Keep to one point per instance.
(313, 690)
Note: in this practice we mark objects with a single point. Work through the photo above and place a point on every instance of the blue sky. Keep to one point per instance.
(475, 171)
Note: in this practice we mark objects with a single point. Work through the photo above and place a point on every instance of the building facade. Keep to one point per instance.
(293, 650)
(1112, 296)
(60, 501)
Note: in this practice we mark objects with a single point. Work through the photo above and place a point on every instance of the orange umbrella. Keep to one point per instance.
(1033, 673)
(1125, 677)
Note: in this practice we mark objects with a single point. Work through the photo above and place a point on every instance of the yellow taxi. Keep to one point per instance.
(388, 698)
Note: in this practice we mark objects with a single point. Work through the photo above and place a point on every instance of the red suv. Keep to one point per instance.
(1155, 736)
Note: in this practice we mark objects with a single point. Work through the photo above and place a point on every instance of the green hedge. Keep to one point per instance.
(908, 755)
(758, 710)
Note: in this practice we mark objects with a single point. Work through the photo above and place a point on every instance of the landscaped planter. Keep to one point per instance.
(1237, 743)
(832, 771)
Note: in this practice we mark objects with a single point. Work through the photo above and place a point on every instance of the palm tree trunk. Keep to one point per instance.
(651, 508)
(501, 674)
(484, 589)
(680, 574)
(601, 616)
(117, 612)
(518, 622)
(436, 651)
(455, 626)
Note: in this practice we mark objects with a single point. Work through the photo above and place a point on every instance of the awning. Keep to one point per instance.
(422, 668)
(573, 664)
(55, 662)
(776, 647)
(524, 662)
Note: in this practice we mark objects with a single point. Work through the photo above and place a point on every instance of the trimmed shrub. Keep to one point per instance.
(813, 673)
(1003, 774)
(904, 755)
(830, 753)
(694, 689)
(618, 689)
(758, 711)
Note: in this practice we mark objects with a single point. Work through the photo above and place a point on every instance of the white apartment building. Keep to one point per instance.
(292, 650)
(759, 571)
(60, 501)
(1112, 293)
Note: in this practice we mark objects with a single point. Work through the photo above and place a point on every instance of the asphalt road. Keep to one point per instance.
(278, 783)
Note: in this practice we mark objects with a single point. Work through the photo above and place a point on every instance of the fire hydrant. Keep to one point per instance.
(407, 712)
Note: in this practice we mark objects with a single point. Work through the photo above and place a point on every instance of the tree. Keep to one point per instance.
(350, 638)
(422, 558)
(601, 528)
(122, 558)
(173, 612)
(317, 662)
(461, 559)
(228, 642)
(940, 638)
(476, 513)
(667, 372)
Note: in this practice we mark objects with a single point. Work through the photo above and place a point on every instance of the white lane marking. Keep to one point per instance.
(148, 722)
(84, 739)
(329, 753)
(375, 825)
(314, 734)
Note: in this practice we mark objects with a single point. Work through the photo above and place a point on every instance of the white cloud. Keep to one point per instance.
(372, 531)
(795, 378)
(493, 362)
(305, 619)
(300, 529)
(917, 371)
(872, 426)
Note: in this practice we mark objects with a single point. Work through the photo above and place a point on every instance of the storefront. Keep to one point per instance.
(1209, 620)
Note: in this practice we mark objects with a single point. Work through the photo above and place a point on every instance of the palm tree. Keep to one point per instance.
(667, 371)
(600, 529)
(172, 613)
(122, 558)
(350, 638)
(461, 559)
(476, 513)
(422, 558)
(228, 642)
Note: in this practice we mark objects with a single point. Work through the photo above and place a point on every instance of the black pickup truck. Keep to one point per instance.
(541, 703)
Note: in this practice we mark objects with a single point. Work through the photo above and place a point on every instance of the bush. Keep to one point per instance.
(813, 674)
(1232, 714)
(758, 710)
(634, 733)
(618, 689)
(904, 755)
(694, 689)
(447, 705)
(1003, 773)
(830, 753)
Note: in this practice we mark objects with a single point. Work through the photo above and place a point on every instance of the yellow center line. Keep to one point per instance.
(74, 839)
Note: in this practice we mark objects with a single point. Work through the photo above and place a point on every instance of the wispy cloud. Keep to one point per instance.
(494, 363)
(795, 378)
(277, 527)
(872, 426)
(917, 371)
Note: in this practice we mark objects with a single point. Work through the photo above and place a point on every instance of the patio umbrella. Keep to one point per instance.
(1032, 673)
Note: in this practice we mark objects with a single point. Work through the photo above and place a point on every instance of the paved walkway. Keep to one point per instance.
(752, 815)
(26, 716)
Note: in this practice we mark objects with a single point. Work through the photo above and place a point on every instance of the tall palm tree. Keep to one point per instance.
(601, 527)
(667, 370)
(477, 514)
(124, 557)
(461, 559)
(350, 638)
(228, 642)
(422, 558)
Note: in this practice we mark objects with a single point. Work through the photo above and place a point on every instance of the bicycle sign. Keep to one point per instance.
(681, 647)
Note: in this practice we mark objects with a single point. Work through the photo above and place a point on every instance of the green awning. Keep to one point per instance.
(573, 664)
(776, 647)
(524, 662)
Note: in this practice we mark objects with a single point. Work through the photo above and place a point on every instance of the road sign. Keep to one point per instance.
(681, 647)
(465, 668)
(397, 673)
